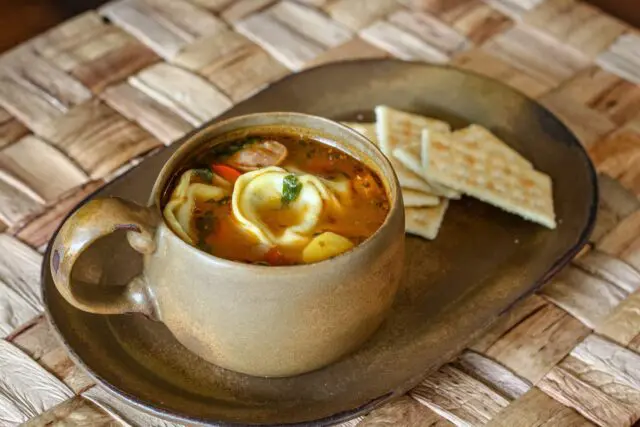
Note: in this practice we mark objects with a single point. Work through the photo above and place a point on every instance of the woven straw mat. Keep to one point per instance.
(92, 97)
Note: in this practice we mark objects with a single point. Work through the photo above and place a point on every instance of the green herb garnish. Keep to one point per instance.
(204, 174)
(291, 187)
(234, 147)
(230, 149)
(204, 223)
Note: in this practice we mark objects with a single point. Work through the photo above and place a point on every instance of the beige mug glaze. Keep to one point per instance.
(259, 320)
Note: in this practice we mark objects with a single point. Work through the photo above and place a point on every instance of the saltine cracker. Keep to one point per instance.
(425, 222)
(488, 177)
(413, 198)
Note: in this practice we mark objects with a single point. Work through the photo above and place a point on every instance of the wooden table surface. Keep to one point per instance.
(91, 98)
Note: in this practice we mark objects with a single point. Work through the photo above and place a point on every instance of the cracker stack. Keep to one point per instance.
(434, 165)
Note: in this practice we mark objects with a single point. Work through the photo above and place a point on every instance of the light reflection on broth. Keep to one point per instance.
(275, 199)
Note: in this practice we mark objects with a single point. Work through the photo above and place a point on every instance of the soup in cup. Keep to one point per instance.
(272, 244)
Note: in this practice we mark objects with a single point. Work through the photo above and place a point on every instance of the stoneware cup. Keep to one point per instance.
(259, 320)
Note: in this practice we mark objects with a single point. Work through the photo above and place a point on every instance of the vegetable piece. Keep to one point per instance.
(291, 187)
(204, 223)
(325, 246)
(227, 172)
(366, 186)
(204, 174)
(258, 155)
(275, 257)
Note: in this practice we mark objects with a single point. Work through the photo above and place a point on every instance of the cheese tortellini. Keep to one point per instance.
(179, 211)
(257, 205)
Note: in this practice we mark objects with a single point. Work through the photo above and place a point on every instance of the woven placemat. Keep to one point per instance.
(91, 98)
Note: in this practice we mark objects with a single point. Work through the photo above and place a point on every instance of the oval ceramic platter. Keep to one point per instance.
(482, 262)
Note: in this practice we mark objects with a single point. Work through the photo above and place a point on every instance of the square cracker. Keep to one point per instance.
(413, 198)
(476, 134)
(425, 222)
(367, 129)
(396, 129)
(409, 156)
(410, 180)
(471, 170)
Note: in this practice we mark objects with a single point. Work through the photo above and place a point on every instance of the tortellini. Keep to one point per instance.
(179, 211)
(258, 194)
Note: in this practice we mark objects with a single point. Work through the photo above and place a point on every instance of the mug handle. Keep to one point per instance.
(96, 219)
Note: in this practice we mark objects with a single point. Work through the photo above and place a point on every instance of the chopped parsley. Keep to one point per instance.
(204, 225)
(204, 174)
(291, 187)
(251, 140)
(228, 149)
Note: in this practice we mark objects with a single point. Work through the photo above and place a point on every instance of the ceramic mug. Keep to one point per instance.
(258, 320)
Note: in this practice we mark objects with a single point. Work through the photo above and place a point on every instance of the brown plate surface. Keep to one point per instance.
(480, 264)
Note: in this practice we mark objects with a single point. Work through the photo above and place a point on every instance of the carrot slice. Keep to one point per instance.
(227, 172)
(275, 257)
